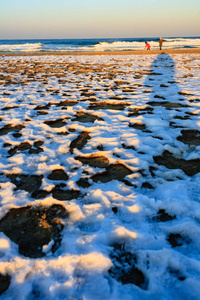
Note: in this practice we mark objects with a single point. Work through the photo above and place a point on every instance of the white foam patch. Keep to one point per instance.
(106, 214)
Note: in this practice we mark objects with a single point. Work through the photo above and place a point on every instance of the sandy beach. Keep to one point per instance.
(99, 175)
(144, 52)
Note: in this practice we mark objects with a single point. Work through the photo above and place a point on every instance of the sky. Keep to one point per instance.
(42, 19)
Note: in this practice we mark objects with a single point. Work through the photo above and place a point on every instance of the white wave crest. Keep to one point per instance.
(182, 42)
(169, 43)
(104, 46)
(27, 47)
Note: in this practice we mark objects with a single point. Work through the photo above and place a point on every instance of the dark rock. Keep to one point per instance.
(182, 117)
(163, 85)
(147, 185)
(138, 76)
(56, 123)
(108, 105)
(128, 183)
(100, 148)
(72, 130)
(163, 216)
(167, 104)
(9, 128)
(83, 182)
(115, 209)
(185, 93)
(118, 98)
(7, 145)
(151, 170)
(133, 275)
(139, 111)
(137, 126)
(190, 137)
(39, 194)
(173, 124)
(43, 107)
(159, 97)
(157, 137)
(66, 103)
(128, 147)
(94, 160)
(181, 278)
(172, 82)
(36, 150)
(63, 133)
(65, 195)
(177, 274)
(194, 100)
(38, 143)
(4, 282)
(80, 141)
(189, 167)
(88, 94)
(124, 267)
(9, 107)
(191, 114)
(86, 172)
(116, 155)
(176, 240)
(17, 135)
(33, 227)
(42, 112)
(147, 91)
(29, 183)
(58, 174)
(155, 74)
(21, 147)
(115, 171)
(84, 117)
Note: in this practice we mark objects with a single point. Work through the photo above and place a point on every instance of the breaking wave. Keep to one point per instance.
(84, 45)
(27, 47)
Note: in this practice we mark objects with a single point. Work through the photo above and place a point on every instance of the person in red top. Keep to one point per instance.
(147, 46)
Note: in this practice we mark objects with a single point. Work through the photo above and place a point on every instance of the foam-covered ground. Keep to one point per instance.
(99, 177)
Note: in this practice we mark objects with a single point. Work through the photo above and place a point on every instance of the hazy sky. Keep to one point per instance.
(98, 18)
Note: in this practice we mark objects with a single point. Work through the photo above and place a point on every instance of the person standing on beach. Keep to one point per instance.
(147, 46)
(160, 43)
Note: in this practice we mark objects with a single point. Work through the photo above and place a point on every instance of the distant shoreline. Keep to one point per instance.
(134, 52)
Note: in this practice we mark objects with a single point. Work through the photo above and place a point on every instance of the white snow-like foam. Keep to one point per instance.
(115, 212)
(167, 44)
(27, 47)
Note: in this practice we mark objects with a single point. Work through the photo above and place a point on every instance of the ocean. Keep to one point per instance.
(84, 45)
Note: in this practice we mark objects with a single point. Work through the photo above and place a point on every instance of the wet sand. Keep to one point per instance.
(99, 175)
(141, 52)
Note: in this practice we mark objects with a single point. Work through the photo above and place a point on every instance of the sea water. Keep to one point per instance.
(84, 45)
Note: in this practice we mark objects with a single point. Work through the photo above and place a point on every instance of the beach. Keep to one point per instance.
(99, 175)
(135, 52)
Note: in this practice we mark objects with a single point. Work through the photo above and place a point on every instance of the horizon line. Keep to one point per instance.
(143, 37)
